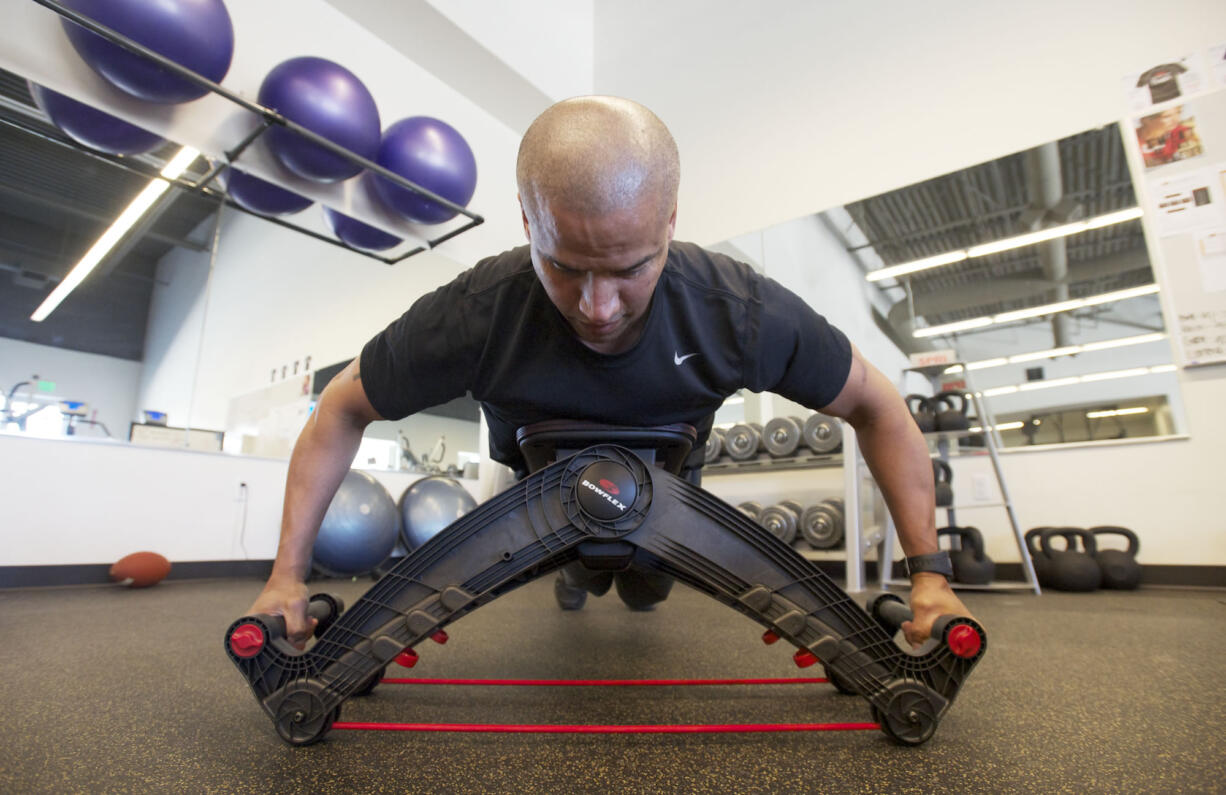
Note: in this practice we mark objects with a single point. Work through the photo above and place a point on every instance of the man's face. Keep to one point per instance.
(600, 271)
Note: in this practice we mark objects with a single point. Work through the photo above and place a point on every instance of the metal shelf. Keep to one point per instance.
(1008, 585)
(764, 463)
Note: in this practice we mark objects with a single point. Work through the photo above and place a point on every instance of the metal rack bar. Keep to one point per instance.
(270, 117)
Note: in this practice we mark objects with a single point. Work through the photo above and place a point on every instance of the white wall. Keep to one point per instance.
(107, 384)
(549, 42)
(276, 296)
(788, 107)
(124, 498)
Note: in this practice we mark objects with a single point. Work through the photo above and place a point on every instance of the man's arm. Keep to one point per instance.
(897, 455)
(321, 457)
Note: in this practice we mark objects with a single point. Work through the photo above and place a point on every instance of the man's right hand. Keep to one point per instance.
(288, 599)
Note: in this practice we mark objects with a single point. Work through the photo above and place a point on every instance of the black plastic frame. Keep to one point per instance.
(537, 526)
(270, 117)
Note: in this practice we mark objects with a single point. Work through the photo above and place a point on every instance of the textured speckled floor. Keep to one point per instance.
(111, 690)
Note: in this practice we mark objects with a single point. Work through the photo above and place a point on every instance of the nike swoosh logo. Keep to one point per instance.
(678, 359)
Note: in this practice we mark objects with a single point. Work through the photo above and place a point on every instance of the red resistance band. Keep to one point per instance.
(615, 729)
(605, 682)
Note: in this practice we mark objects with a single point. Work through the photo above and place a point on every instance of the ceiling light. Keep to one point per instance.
(1115, 374)
(1036, 311)
(1078, 379)
(999, 390)
(1117, 412)
(1004, 426)
(1008, 243)
(1052, 353)
(1032, 385)
(1067, 350)
(111, 237)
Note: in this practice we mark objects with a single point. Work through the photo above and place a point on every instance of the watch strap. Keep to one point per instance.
(937, 562)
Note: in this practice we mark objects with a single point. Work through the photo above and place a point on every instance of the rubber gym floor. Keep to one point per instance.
(116, 690)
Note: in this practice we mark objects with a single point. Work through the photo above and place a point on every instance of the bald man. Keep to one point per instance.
(604, 317)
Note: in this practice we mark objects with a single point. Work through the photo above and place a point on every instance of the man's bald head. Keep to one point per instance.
(595, 155)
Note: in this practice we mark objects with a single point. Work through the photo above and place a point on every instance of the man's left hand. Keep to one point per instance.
(931, 597)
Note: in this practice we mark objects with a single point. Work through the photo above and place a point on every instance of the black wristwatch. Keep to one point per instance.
(937, 562)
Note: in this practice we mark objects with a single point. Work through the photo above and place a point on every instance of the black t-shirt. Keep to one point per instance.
(714, 326)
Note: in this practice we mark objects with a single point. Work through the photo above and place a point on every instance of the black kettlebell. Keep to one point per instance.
(972, 566)
(953, 416)
(1071, 569)
(943, 478)
(1037, 557)
(1120, 567)
(921, 410)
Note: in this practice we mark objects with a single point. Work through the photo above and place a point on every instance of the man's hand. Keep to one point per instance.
(288, 599)
(931, 597)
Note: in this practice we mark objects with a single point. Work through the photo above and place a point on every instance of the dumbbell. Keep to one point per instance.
(751, 509)
(782, 520)
(781, 436)
(714, 447)
(822, 525)
(743, 441)
(822, 434)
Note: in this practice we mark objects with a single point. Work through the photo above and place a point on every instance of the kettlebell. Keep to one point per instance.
(1120, 567)
(943, 477)
(1036, 554)
(1071, 569)
(953, 416)
(972, 566)
(921, 410)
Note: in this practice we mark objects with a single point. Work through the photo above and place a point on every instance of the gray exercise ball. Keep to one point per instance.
(359, 530)
(429, 505)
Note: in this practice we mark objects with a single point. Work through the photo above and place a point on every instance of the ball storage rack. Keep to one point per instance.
(268, 118)
(603, 506)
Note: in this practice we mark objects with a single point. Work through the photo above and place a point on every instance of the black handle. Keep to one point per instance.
(322, 607)
(1134, 543)
(890, 611)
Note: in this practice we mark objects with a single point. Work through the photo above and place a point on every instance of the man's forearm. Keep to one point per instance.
(897, 455)
(321, 457)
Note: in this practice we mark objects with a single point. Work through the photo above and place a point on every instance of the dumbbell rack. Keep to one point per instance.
(853, 525)
(991, 439)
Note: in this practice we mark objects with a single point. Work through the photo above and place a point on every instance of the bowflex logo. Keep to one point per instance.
(621, 506)
(609, 486)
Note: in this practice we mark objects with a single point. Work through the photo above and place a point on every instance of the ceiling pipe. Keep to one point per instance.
(1045, 186)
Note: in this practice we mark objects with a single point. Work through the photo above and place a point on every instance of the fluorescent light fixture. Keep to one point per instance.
(734, 401)
(917, 265)
(1052, 353)
(949, 328)
(1067, 350)
(1162, 368)
(1008, 243)
(1117, 412)
(111, 237)
(1004, 426)
(1115, 374)
(1123, 342)
(1037, 311)
(1030, 386)
(999, 390)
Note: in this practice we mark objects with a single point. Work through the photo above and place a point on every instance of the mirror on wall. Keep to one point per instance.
(1032, 268)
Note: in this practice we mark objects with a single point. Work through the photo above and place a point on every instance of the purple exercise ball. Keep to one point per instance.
(93, 128)
(328, 100)
(197, 34)
(430, 153)
(355, 233)
(261, 196)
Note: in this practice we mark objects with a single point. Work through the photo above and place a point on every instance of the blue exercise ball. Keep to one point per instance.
(429, 505)
(360, 528)
(197, 34)
(259, 195)
(430, 153)
(328, 100)
(355, 233)
(93, 128)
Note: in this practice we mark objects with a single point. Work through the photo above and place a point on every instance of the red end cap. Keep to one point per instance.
(439, 637)
(769, 637)
(407, 658)
(804, 658)
(247, 640)
(964, 641)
